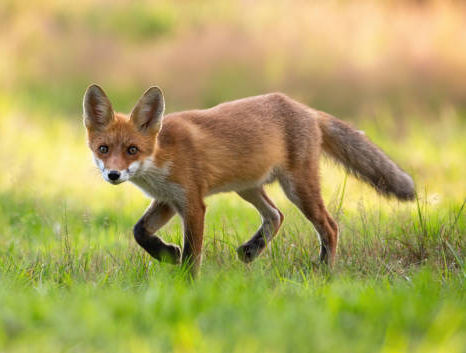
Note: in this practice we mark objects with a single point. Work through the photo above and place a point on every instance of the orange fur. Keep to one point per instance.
(236, 146)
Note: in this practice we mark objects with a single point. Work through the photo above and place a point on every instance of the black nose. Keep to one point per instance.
(113, 175)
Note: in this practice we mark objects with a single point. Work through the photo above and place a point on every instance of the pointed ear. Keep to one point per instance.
(148, 112)
(97, 109)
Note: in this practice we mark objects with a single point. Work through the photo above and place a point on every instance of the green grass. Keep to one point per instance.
(73, 279)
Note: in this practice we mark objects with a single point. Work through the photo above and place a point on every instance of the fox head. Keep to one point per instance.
(120, 143)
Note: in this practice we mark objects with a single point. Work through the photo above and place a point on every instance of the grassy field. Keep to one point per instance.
(72, 279)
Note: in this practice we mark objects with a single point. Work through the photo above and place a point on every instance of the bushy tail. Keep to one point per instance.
(364, 159)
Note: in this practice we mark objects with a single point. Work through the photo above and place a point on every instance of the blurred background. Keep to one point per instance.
(349, 57)
(394, 68)
(72, 277)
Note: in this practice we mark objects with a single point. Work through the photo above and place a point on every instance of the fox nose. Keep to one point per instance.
(113, 175)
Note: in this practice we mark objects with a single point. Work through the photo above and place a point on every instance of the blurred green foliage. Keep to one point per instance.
(349, 58)
(134, 21)
(72, 278)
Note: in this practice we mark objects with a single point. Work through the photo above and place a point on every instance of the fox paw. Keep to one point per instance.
(248, 252)
(171, 254)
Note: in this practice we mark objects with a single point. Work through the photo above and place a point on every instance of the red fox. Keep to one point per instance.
(180, 158)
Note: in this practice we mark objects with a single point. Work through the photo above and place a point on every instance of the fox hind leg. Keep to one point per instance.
(303, 189)
(272, 219)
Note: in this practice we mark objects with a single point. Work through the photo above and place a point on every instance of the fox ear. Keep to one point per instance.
(97, 109)
(148, 112)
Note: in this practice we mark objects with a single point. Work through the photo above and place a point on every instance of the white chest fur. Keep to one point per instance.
(153, 181)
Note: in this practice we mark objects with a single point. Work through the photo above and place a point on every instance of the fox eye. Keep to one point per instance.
(103, 149)
(132, 150)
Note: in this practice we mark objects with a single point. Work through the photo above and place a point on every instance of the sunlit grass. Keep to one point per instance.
(74, 279)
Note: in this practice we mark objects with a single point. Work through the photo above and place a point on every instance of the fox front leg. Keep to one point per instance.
(155, 217)
(193, 223)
